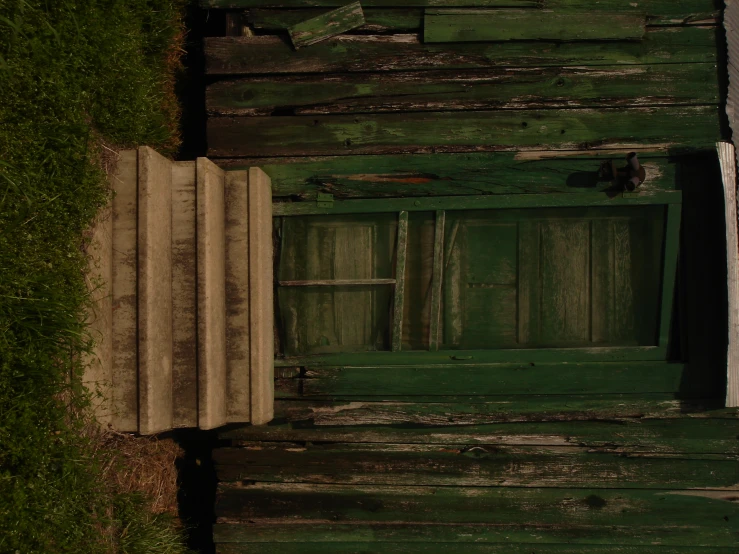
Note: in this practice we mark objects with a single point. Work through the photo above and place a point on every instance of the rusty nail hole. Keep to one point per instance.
(348, 142)
(562, 132)
(560, 82)
(524, 124)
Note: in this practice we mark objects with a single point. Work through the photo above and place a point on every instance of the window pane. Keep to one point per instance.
(565, 277)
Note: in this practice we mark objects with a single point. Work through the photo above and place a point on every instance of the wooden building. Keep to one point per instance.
(483, 342)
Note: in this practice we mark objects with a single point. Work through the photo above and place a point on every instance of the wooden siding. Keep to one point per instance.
(621, 449)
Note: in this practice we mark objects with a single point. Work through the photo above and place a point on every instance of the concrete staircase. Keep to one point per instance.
(183, 318)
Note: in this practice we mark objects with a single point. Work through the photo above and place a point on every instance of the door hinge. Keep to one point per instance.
(325, 200)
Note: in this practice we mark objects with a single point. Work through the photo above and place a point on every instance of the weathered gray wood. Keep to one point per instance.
(477, 466)
(606, 86)
(470, 410)
(450, 174)
(483, 380)
(327, 25)
(277, 503)
(403, 20)
(677, 128)
(437, 547)
(677, 434)
(154, 292)
(184, 296)
(500, 202)
(125, 395)
(474, 25)
(399, 294)
(212, 376)
(238, 393)
(348, 53)
(727, 159)
(261, 306)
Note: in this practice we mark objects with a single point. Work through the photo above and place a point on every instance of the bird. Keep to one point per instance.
(628, 177)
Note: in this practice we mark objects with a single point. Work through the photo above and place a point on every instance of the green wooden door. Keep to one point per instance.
(582, 278)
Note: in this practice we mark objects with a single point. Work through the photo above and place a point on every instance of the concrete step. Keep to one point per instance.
(211, 272)
(184, 296)
(155, 292)
(238, 392)
(261, 307)
(124, 394)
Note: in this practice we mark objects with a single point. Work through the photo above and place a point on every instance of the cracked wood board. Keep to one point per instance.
(327, 25)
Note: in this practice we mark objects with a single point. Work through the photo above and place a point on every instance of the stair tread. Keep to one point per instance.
(238, 397)
(184, 296)
(155, 292)
(211, 275)
(124, 401)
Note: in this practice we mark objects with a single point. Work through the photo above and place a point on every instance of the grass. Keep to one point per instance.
(74, 75)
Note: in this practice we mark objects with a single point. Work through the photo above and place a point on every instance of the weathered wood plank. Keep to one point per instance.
(327, 25)
(689, 128)
(484, 380)
(375, 3)
(401, 246)
(463, 534)
(477, 466)
(679, 434)
(658, 12)
(727, 158)
(370, 547)
(470, 357)
(336, 282)
(546, 87)
(403, 20)
(347, 53)
(470, 25)
(449, 174)
(470, 410)
(376, 19)
(293, 503)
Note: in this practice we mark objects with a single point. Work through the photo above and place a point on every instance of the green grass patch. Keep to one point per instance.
(72, 74)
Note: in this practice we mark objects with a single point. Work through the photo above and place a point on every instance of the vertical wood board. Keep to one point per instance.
(327, 25)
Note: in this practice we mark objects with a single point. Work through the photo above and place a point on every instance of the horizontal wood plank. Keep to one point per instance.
(475, 410)
(404, 20)
(450, 174)
(469, 25)
(376, 19)
(498, 202)
(484, 380)
(476, 466)
(624, 435)
(658, 12)
(351, 504)
(607, 86)
(463, 534)
(326, 25)
(348, 53)
(371, 547)
(680, 128)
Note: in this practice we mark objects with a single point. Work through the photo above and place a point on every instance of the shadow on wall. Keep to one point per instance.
(700, 328)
